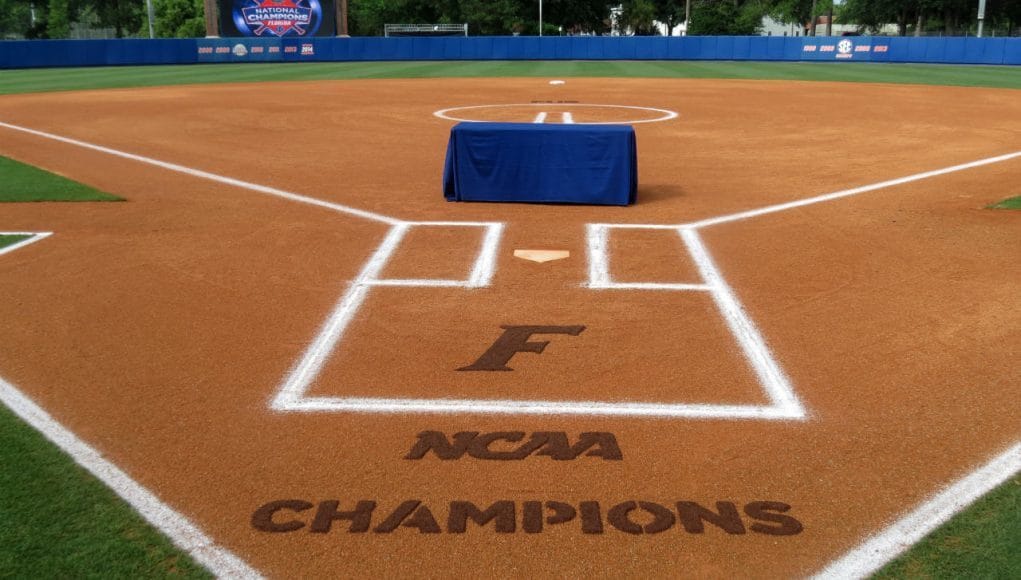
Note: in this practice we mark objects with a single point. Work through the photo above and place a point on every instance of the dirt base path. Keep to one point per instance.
(162, 329)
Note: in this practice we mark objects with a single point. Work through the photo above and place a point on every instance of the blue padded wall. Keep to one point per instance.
(53, 53)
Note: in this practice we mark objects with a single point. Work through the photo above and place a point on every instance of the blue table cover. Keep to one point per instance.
(536, 162)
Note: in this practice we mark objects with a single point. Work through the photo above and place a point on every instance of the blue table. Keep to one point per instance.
(536, 162)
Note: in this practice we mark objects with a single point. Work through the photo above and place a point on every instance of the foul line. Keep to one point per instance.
(877, 551)
(846, 192)
(211, 176)
(181, 531)
(33, 238)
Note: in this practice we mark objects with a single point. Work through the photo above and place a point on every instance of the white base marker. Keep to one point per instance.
(542, 256)
(182, 532)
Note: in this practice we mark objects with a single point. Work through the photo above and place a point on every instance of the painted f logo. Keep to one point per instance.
(514, 340)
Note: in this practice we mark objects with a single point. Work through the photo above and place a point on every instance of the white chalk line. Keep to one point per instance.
(541, 407)
(32, 238)
(664, 114)
(880, 549)
(743, 215)
(209, 176)
(181, 531)
(292, 392)
(777, 386)
(771, 378)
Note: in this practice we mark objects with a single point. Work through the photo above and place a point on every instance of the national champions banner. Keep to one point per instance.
(277, 18)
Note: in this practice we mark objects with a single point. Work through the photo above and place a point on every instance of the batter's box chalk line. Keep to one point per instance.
(291, 394)
(783, 402)
(31, 238)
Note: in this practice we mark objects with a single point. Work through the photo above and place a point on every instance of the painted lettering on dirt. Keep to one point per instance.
(531, 517)
(514, 340)
(512, 445)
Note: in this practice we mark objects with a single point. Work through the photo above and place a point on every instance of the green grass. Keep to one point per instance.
(20, 182)
(9, 239)
(68, 79)
(1009, 203)
(982, 542)
(61, 522)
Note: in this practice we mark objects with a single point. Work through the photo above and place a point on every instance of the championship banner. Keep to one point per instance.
(860, 48)
(277, 18)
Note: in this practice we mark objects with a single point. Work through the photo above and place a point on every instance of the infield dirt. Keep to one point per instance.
(159, 330)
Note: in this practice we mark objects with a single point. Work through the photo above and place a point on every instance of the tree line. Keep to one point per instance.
(185, 18)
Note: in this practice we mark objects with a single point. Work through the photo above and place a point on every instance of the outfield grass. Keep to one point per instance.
(68, 79)
(1009, 203)
(56, 520)
(20, 182)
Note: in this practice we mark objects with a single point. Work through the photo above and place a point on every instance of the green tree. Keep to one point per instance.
(121, 15)
(491, 16)
(639, 16)
(15, 18)
(574, 15)
(726, 17)
(670, 13)
(177, 19)
(58, 19)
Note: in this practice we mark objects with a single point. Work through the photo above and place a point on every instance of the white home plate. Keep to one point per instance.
(541, 255)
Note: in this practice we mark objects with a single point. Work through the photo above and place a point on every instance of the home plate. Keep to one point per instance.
(541, 255)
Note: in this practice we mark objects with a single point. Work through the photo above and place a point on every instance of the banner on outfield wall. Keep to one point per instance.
(277, 18)
(861, 48)
(255, 49)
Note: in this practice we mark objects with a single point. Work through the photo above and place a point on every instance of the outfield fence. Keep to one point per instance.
(946, 50)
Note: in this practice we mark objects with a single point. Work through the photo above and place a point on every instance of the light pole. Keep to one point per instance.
(540, 17)
(152, 15)
(981, 16)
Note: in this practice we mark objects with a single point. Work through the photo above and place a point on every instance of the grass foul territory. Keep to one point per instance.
(10, 239)
(60, 522)
(22, 183)
(982, 542)
(42, 80)
(1009, 203)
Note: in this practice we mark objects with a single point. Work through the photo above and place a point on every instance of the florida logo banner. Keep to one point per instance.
(280, 18)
